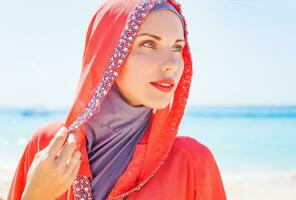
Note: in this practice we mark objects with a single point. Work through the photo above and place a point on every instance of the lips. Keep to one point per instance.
(164, 85)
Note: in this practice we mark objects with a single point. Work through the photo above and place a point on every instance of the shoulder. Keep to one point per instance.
(43, 134)
(193, 149)
(208, 182)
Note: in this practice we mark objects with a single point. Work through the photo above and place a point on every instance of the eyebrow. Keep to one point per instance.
(157, 37)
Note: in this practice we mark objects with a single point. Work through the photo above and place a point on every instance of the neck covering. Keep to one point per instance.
(112, 135)
(109, 39)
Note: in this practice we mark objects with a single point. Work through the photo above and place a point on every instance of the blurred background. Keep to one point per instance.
(242, 103)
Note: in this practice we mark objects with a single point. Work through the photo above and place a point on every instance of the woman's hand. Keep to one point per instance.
(53, 169)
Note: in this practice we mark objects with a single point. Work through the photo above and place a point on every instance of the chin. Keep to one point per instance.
(157, 105)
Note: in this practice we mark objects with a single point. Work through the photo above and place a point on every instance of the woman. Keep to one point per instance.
(129, 103)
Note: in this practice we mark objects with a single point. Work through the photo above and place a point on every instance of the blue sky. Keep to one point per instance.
(242, 51)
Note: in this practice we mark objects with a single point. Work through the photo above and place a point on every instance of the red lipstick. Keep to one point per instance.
(164, 85)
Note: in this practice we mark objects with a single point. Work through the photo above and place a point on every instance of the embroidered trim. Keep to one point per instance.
(82, 188)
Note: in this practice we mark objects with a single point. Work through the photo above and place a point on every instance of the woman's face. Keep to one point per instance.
(155, 55)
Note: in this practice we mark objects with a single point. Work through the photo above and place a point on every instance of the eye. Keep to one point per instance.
(148, 43)
(178, 48)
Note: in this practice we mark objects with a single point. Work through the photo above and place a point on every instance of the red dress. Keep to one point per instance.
(163, 166)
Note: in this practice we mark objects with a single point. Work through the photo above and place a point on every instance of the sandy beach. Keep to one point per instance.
(6, 176)
(252, 186)
(258, 186)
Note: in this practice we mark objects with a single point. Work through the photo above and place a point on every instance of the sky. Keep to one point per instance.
(243, 51)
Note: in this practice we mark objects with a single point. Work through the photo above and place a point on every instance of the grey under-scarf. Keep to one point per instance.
(112, 135)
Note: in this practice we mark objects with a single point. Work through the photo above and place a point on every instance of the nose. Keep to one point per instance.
(170, 64)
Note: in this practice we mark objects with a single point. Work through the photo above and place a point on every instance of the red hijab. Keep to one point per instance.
(109, 38)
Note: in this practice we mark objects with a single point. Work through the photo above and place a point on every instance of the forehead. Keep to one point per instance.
(163, 22)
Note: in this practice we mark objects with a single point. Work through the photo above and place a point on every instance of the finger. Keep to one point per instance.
(58, 140)
(67, 151)
(75, 160)
(76, 169)
(75, 172)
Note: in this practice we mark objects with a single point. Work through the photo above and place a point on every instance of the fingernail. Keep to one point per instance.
(71, 138)
(63, 130)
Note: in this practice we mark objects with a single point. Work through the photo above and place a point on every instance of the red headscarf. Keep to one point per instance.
(109, 38)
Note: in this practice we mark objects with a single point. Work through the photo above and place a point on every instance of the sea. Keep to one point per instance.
(241, 138)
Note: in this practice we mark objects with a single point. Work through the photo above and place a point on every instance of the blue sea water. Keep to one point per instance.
(241, 138)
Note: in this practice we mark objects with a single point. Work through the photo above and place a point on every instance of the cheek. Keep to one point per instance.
(140, 67)
(135, 73)
(180, 70)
